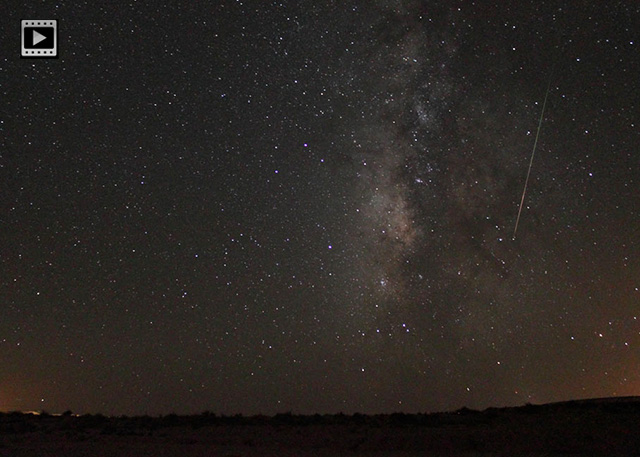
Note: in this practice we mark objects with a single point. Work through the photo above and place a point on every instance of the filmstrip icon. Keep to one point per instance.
(39, 38)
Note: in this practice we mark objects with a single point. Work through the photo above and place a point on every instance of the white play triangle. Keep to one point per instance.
(38, 37)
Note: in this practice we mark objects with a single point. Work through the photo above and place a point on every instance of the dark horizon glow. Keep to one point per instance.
(260, 207)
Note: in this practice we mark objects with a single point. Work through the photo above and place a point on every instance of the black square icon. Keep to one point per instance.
(39, 38)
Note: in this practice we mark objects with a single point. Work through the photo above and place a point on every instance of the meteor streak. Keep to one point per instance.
(533, 153)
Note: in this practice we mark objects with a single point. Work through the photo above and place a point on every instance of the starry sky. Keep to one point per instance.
(308, 206)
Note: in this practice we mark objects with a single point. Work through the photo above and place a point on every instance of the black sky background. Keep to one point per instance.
(257, 207)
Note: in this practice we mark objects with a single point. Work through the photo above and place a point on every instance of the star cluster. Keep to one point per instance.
(257, 207)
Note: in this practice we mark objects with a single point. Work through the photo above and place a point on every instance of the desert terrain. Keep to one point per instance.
(587, 427)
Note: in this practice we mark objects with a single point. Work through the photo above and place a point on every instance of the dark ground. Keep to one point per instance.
(589, 427)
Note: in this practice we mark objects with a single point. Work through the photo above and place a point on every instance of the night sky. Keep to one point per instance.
(308, 206)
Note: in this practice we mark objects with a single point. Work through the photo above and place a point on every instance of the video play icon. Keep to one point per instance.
(39, 38)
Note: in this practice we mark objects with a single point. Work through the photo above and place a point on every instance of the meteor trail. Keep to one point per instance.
(533, 153)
